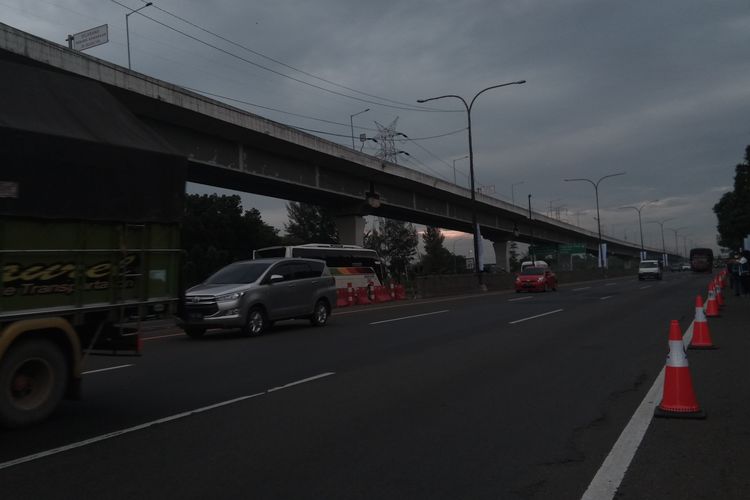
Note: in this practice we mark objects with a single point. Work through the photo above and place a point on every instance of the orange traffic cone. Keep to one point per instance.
(701, 334)
(678, 400)
(712, 308)
(719, 293)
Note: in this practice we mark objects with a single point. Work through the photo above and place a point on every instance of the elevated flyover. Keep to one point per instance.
(231, 148)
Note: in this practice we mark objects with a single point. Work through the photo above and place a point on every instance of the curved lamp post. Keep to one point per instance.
(640, 224)
(127, 27)
(663, 246)
(468, 107)
(675, 231)
(598, 218)
(455, 180)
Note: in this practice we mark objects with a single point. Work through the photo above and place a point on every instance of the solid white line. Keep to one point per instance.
(520, 298)
(644, 287)
(579, 289)
(308, 379)
(103, 437)
(609, 476)
(609, 284)
(164, 336)
(605, 297)
(409, 317)
(532, 317)
(105, 369)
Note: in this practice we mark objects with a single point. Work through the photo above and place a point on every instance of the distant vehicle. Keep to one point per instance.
(675, 266)
(536, 279)
(701, 260)
(252, 294)
(347, 263)
(685, 267)
(649, 269)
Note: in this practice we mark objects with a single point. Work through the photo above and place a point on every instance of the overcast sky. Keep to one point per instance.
(660, 90)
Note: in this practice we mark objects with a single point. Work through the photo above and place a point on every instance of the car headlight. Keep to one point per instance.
(229, 297)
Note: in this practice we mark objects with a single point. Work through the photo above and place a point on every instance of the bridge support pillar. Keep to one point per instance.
(501, 254)
(351, 229)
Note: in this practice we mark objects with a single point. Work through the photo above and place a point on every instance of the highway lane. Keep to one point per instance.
(469, 403)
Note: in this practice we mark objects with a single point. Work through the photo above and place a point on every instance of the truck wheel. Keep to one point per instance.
(256, 322)
(33, 380)
(195, 333)
(320, 314)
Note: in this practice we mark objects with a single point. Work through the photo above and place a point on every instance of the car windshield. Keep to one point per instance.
(648, 265)
(532, 271)
(238, 273)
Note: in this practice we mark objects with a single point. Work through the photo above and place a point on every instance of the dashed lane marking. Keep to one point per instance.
(103, 437)
(605, 297)
(533, 317)
(105, 369)
(519, 298)
(409, 317)
(579, 289)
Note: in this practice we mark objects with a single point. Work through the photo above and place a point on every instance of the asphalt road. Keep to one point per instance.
(499, 395)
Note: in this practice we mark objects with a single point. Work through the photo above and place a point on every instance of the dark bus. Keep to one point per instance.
(701, 260)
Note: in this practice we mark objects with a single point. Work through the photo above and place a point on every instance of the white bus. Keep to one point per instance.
(347, 263)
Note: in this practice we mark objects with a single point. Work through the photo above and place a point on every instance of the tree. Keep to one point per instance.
(216, 232)
(437, 258)
(733, 209)
(309, 224)
(396, 243)
(513, 255)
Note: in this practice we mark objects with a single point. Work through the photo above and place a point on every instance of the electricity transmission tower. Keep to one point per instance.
(386, 139)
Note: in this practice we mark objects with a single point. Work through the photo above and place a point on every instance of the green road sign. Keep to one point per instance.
(574, 248)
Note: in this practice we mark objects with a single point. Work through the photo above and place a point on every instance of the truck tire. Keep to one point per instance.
(33, 380)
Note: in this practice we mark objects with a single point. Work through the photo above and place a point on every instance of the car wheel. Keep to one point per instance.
(554, 287)
(195, 333)
(320, 314)
(256, 322)
(546, 288)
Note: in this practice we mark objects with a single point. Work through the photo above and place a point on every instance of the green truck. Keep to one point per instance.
(90, 210)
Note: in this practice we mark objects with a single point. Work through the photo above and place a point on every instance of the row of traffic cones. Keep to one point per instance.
(678, 399)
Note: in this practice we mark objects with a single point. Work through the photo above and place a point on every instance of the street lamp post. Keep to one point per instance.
(468, 107)
(455, 180)
(127, 28)
(351, 122)
(675, 231)
(663, 245)
(532, 250)
(512, 192)
(598, 219)
(640, 224)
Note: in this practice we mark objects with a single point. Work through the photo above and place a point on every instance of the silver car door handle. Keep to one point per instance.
(315, 282)
(291, 286)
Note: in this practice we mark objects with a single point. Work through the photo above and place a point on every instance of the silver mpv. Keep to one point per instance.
(253, 294)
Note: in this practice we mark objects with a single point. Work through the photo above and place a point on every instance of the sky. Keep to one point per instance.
(658, 90)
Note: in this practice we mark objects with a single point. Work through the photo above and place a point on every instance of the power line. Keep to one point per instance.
(281, 63)
(248, 61)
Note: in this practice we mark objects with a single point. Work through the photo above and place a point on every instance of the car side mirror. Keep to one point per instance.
(275, 278)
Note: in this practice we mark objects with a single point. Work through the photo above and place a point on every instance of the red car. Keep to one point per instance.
(537, 279)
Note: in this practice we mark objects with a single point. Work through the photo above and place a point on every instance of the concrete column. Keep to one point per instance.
(502, 256)
(351, 229)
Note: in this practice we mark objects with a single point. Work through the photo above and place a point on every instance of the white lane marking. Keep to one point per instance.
(579, 289)
(519, 298)
(609, 476)
(408, 303)
(105, 369)
(532, 317)
(644, 287)
(164, 336)
(128, 430)
(304, 380)
(609, 284)
(605, 297)
(409, 317)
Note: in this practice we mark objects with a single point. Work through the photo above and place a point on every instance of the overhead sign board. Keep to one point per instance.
(89, 38)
